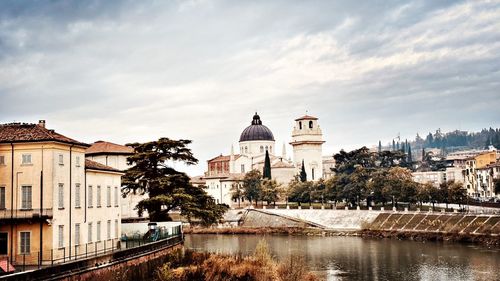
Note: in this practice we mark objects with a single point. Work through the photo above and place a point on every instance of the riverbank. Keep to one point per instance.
(269, 230)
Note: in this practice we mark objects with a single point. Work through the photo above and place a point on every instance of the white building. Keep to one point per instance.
(226, 171)
(115, 155)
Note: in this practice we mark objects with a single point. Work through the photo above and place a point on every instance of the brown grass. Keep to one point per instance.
(214, 267)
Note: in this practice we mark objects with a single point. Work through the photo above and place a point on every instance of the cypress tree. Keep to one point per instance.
(423, 154)
(397, 145)
(409, 155)
(267, 167)
(379, 147)
(303, 175)
(393, 145)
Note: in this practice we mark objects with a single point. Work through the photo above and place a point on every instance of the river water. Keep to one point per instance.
(354, 258)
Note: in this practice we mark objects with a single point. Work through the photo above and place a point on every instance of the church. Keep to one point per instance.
(225, 171)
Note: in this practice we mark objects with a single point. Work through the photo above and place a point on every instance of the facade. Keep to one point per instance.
(227, 171)
(43, 194)
(115, 156)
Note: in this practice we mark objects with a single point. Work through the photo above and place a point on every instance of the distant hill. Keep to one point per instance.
(450, 141)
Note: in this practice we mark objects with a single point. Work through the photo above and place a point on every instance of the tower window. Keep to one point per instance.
(267, 148)
(246, 149)
(300, 125)
(310, 124)
(261, 149)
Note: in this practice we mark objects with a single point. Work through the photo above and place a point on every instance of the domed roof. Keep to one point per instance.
(256, 131)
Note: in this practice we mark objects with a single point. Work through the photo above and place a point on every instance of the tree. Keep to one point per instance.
(270, 191)
(237, 193)
(457, 194)
(393, 145)
(267, 167)
(379, 146)
(303, 175)
(167, 188)
(496, 182)
(400, 185)
(410, 160)
(252, 186)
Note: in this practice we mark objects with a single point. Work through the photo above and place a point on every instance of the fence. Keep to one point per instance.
(37, 260)
(25, 213)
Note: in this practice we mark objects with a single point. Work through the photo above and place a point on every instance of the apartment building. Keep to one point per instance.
(49, 195)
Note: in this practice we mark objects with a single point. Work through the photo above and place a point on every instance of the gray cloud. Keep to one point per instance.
(137, 70)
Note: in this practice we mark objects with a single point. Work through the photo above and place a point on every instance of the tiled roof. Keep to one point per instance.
(104, 147)
(89, 164)
(224, 158)
(24, 132)
(306, 117)
(281, 164)
(198, 180)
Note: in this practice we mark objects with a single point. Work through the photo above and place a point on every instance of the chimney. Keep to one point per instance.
(41, 123)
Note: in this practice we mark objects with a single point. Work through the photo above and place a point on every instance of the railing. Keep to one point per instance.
(25, 213)
(53, 257)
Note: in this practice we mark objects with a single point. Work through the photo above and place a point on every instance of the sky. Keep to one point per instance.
(134, 71)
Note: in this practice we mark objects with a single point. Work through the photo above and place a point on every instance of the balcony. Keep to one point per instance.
(24, 214)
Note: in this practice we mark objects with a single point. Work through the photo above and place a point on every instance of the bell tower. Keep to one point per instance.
(307, 143)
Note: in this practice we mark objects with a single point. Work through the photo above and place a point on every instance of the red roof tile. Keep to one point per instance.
(92, 165)
(104, 147)
(23, 132)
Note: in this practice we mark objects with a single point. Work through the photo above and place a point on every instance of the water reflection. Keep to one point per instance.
(353, 258)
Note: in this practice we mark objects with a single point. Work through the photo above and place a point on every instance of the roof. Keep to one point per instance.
(198, 180)
(104, 147)
(93, 165)
(26, 132)
(306, 117)
(224, 158)
(281, 164)
(256, 131)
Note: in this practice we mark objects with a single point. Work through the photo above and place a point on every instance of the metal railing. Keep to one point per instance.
(53, 257)
(25, 213)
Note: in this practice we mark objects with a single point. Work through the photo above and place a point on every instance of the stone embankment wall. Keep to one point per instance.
(355, 220)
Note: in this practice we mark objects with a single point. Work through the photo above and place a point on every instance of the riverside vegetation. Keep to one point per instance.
(187, 265)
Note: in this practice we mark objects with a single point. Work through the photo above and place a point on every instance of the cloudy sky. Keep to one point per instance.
(138, 70)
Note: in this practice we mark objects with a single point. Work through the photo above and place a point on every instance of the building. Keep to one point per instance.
(52, 200)
(115, 155)
(226, 172)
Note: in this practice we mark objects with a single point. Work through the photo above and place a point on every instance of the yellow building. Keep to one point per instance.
(485, 158)
(44, 196)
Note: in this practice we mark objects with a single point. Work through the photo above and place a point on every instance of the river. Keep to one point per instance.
(355, 258)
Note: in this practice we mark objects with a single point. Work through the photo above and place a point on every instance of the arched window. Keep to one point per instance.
(271, 149)
(310, 124)
(246, 149)
(261, 149)
(300, 125)
(267, 148)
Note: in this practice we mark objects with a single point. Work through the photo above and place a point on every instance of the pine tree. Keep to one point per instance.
(379, 146)
(303, 175)
(267, 167)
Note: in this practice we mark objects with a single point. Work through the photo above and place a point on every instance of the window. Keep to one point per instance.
(2, 197)
(117, 194)
(261, 148)
(2, 160)
(25, 242)
(310, 124)
(116, 228)
(312, 173)
(77, 195)
(61, 195)
(98, 231)
(61, 236)
(90, 199)
(271, 149)
(246, 149)
(77, 161)
(90, 232)
(26, 197)
(267, 148)
(98, 204)
(26, 159)
(108, 196)
(77, 234)
(300, 125)
(242, 168)
(61, 159)
(108, 236)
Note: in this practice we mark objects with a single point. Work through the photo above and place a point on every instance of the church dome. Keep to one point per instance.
(256, 131)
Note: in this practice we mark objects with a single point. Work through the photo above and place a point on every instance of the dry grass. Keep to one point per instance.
(258, 267)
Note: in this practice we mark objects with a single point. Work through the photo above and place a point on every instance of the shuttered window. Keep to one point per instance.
(25, 242)
(61, 195)
(77, 195)
(26, 197)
